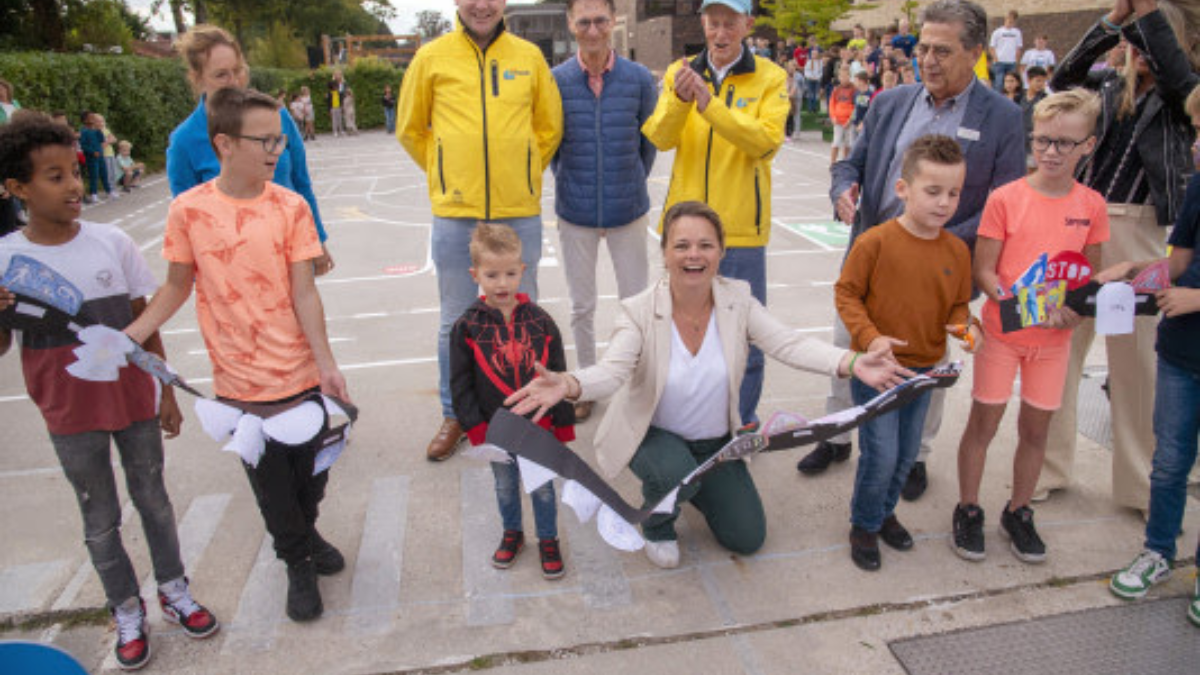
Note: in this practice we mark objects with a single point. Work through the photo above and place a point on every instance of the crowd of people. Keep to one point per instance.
(950, 185)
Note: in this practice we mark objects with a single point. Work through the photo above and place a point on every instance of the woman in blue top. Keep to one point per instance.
(214, 61)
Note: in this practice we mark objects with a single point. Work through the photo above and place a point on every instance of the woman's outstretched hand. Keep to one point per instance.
(878, 368)
(543, 393)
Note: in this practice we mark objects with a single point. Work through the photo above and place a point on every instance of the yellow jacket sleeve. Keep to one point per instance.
(413, 117)
(547, 114)
(761, 136)
(665, 126)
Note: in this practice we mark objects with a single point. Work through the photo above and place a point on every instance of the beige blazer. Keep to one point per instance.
(634, 368)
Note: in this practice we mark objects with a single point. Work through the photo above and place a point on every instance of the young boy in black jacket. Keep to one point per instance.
(493, 349)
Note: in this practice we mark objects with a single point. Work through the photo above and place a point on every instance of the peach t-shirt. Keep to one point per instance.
(241, 250)
(1030, 224)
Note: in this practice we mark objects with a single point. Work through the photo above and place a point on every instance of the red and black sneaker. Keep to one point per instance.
(133, 635)
(552, 562)
(510, 546)
(178, 607)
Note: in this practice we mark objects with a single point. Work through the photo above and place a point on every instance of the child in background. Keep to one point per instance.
(309, 130)
(841, 111)
(131, 171)
(110, 150)
(862, 101)
(903, 285)
(490, 358)
(91, 141)
(38, 164)
(1046, 212)
(348, 111)
(248, 246)
(889, 80)
(1176, 399)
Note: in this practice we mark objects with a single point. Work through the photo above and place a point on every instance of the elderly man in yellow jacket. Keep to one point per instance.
(724, 112)
(481, 114)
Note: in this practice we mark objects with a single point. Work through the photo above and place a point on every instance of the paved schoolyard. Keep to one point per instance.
(419, 593)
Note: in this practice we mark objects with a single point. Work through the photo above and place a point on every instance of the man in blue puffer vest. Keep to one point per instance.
(601, 168)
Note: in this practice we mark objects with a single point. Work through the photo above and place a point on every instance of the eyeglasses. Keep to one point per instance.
(270, 144)
(600, 22)
(940, 52)
(1064, 146)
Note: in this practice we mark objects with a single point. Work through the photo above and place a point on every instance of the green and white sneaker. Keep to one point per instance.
(1146, 570)
(1194, 608)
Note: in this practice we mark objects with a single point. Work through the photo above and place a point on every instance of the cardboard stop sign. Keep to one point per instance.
(1069, 266)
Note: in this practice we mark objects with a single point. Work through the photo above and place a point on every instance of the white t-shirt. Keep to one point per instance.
(1006, 42)
(695, 398)
(1037, 57)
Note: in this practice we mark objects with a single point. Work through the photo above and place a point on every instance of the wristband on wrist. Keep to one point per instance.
(854, 358)
(1108, 25)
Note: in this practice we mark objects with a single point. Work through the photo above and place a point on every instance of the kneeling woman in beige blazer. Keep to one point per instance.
(673, 368)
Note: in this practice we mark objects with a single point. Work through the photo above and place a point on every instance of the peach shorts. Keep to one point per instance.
(1043, 371)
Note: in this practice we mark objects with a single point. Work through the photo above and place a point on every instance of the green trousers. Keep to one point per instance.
(726, 495)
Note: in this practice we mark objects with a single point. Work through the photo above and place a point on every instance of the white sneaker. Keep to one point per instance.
(1146, 570)
(665, 554)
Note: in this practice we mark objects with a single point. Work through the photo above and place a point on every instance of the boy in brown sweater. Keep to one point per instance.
(904, 284)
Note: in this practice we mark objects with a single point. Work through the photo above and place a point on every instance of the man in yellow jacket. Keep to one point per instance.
(480, 113)
(724, 112)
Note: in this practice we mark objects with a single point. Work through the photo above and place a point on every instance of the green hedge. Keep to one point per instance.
(144, 99)
(141, 99)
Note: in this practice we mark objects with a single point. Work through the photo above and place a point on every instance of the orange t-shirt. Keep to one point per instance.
(241, 250)
(1030, 224)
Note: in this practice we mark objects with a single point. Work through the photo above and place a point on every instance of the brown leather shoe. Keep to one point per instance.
(583, 410)
(445, 442)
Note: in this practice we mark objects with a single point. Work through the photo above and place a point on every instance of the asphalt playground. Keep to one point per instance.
(419, 593)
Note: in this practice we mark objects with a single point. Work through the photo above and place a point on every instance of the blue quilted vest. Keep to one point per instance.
(602, 164)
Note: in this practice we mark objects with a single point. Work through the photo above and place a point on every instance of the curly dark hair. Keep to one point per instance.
(19, 138)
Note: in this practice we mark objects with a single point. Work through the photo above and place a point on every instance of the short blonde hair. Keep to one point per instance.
(493, 239)
(122, 146)
(1079, 101)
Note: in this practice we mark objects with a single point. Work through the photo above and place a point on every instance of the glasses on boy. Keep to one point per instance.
(270, 144)
(1064, 146)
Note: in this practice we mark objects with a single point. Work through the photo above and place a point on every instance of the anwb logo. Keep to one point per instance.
(743, 102)
(513, 74)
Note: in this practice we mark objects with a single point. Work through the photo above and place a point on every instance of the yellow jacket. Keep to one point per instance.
(481, 124)
(723, 155)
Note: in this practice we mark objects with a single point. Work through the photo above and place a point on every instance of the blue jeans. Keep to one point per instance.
(888, 445)
(1176, 424)
(450, 241)
(389, 115)
(812, 94)
(749, 264)
(999, 70)
(508, 497)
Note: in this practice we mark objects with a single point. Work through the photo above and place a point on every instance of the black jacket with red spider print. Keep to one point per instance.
(490, 359)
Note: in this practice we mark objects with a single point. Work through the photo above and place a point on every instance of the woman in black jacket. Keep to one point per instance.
(1141, 165)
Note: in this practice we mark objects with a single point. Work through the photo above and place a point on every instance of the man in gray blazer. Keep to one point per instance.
(949, 101)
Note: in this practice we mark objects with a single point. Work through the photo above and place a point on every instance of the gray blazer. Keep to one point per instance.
(995, 158)
(638, 359)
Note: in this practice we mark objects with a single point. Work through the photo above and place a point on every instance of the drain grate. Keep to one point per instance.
(1149, 638)
(1093, 417)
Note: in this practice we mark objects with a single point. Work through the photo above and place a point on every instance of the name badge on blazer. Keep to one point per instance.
(968, 134)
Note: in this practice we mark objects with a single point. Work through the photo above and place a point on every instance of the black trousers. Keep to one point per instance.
(289, 496)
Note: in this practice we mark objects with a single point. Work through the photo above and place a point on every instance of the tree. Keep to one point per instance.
(278, 48)
(910, 10)
(796, 18)
(98, 25)
(431, 23)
